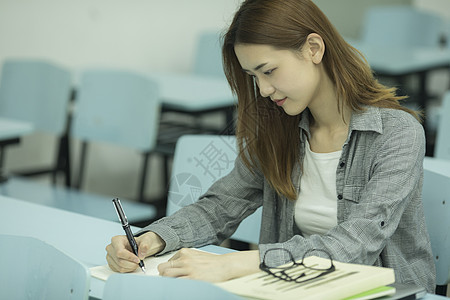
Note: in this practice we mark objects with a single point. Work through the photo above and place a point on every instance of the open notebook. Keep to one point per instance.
(151, 266)
(347, 280)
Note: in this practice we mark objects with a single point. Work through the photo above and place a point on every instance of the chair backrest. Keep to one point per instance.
(436, 201)
(208, 55)
(442, 143)
(199, 161)
(447, 34)
(401, 25)
(117, 107)
(35, 91)
(139, 287)
(33, 269)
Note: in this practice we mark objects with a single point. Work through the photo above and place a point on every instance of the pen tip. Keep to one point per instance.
(143, 269)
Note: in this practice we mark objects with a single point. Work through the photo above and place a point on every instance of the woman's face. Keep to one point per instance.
(289, 78)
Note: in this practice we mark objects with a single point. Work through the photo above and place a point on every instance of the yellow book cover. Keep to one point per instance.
(347, 280)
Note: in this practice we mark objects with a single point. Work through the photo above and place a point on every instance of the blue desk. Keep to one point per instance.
(395, 61)
(73, 200)
(12, 129)
(82, 237)
(195, 94)
(192, 93)
(399, 62)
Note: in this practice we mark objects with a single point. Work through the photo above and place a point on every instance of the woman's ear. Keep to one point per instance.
(315, 47)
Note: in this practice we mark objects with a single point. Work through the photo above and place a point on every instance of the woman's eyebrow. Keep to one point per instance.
(257, 67)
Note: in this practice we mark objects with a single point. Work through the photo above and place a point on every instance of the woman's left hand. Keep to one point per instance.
(200, 265)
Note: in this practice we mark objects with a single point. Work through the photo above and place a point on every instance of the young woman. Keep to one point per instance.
(327, 151)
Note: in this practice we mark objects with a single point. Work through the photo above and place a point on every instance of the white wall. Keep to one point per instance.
(137, 34)
(441, 7)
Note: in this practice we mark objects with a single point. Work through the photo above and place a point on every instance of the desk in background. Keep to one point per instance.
(13, 130)
(400, 62)
(72, 200)
(195, 95)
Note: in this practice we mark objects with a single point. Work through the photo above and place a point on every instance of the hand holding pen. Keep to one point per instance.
(123, 219)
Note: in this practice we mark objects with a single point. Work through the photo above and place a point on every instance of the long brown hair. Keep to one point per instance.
(268, 138)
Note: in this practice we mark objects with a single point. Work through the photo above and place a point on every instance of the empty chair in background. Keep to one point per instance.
(199, 161)
(122, 109)
(33, 269)
(38, 91)
(436, 202)
(208, 55)
(442, 143)
(402, 25)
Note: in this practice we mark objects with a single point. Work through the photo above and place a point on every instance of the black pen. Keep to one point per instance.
(123, 219)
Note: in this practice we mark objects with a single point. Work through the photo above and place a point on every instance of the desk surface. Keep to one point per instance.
(79, 236)
(397, 61)
(190, 92)
(10, 129)
(85, 203)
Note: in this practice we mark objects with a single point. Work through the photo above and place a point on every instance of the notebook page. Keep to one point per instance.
(151, 267)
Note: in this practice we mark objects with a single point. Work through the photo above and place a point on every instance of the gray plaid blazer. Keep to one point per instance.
(379, 203)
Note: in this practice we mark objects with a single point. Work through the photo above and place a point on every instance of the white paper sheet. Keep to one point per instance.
(151, 267)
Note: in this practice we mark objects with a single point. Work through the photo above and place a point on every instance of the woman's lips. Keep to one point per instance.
(280, 102)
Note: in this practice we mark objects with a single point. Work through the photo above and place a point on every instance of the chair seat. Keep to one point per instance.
(75, 201)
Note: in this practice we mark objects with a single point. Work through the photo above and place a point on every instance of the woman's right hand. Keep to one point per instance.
(121, 258)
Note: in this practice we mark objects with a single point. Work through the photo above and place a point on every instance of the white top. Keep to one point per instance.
(316, 206)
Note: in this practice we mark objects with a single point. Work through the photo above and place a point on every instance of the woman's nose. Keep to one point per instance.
(265, 88)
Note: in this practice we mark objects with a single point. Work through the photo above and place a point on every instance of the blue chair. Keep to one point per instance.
(33, 269)
(121, 109)
(404, 26)
(447, 34)
(199, 161)
(38, 92)
(442, 143)
(436, 202)
(208, 55)
(139, 287)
